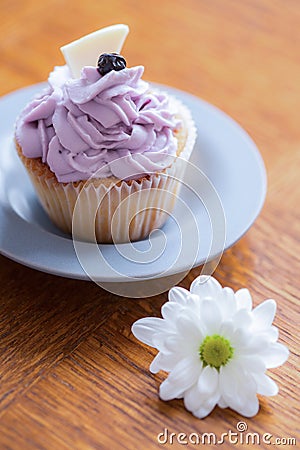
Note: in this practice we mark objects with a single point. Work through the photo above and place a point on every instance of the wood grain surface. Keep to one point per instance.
(72, 376)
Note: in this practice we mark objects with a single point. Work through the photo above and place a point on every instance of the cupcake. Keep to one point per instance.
(107, 147)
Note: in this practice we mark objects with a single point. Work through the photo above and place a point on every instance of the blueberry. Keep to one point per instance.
(110, 61)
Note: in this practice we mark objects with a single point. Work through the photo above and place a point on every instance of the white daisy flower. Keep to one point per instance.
(216, 348)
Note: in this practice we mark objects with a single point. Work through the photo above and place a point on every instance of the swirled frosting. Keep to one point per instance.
(99, 126)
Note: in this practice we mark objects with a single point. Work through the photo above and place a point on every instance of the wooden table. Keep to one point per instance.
(72, 374)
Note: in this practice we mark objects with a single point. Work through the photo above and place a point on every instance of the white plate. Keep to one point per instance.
(223, 151)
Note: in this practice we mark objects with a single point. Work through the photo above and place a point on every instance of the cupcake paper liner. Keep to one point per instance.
(111, 210)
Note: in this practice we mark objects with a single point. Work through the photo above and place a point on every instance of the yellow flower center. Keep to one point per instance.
(215, 351)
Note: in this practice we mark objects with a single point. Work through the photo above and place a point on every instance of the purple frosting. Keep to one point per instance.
(99, 126)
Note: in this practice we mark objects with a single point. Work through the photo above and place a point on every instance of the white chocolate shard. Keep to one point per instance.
(86, 50)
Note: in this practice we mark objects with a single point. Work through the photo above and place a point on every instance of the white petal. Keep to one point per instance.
(227, 330)
(240, 392)
(210, 316)
(256, 344)
(265, 385)
(189, 313)
(180, 396)
(169, 391)
(240, 339)
(238, 389)
(189, 331)
(263, 315)
(249, 408)
(177, 345)
(173, 343)
(186, 372)
(208, 381)
(242, 319)
(222, 404)
(178, 294)
(155, 365)
(164, 362)
(275, 355)
(235, 384)
(192, 398)
(227, 303)
(182, 377)
(158, 341)
(170, 311)
(195, 399)
(227, 382)
(244, 299)
(144, 329)
(193, 303)
(200, 406)
(259, 343)
(207, 407)
(206, 287)
(272, 333)
(252, 363)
